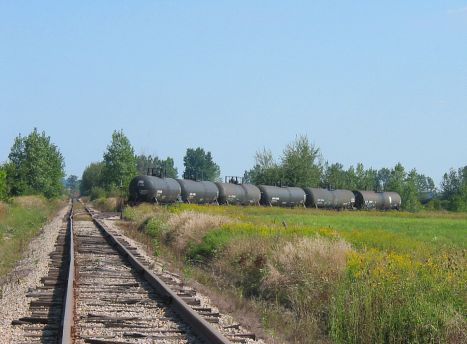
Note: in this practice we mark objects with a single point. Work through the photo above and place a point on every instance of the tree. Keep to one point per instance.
(168, 166)
(454, 189)
(410, 193)
(334, 176)
(396, 179)
(424, 184)
(266, 170)
(119, 162)
(35, 166)
(72, 183)
(144, 162)
(450, 184)
(350, 177)
(3, 184)
(91, 178)
(163, 167)
(200, 165)
(300, 163)
(382, 178)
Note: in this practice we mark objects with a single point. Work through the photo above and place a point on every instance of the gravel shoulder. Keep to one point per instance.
(27, 274)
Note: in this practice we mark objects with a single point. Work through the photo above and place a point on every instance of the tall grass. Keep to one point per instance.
(20, 220)
(345, 277)
(392, 298)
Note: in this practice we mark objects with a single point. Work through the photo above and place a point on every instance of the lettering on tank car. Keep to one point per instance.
(275, 198)
(141, 183)
(159, 192)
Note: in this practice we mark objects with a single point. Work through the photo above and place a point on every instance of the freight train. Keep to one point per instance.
(168, 190)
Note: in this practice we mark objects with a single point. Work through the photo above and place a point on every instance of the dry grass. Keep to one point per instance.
(3, 210)
(190, 226)
(316, 259)
(30, 201)
(110, 204)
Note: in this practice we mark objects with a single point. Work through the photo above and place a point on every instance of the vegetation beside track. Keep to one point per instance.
(20, 220)
(343, 277)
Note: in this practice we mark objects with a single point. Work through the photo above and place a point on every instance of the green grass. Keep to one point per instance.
(20, 221)
(397, 231)
(344, 277)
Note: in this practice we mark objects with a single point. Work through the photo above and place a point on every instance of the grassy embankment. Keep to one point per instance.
(20, 220)
(343, 277)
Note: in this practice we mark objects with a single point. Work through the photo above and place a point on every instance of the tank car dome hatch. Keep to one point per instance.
(201, 192)
(154, 189)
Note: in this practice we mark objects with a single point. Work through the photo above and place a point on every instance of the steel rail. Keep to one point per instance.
(66, 331)
(198, 325)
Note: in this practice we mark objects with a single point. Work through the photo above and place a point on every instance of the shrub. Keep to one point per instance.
(97, 192)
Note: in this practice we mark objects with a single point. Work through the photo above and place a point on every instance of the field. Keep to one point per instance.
(324, 276)
(20, 221)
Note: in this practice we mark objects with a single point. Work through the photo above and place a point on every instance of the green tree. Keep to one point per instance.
(266, 170)
(410, 193)
(396, 179)
(144, 162)
(35, 166)
(200, 165)
(72, 183)
(366, 179)
(334, 176)
(168, 166)
(350, 177)
(450, 184)
(164, 167)
(454, 189)
(3, 184)
(382, 179)
(91, 178)
(119, 162)
(301, 163)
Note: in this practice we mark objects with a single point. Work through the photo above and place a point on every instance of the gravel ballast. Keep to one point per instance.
(27, 274)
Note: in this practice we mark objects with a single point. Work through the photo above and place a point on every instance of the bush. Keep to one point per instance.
(211, 244)
(107, 204)
(97, 192)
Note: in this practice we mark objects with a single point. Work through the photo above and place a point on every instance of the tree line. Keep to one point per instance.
(119, 165)
(36, 166)
(301, 164)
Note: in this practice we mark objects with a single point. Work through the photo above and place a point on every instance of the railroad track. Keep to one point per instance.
(100, 290)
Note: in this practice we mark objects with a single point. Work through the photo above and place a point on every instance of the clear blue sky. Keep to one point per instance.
(370, 81)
